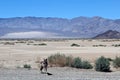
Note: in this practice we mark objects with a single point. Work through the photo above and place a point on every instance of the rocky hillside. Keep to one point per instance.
(37, 27)
(109, 35)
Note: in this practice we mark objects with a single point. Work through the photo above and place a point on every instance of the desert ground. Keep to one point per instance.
(64, 73)
(15, 53)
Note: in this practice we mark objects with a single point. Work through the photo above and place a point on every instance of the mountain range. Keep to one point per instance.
(52, 27)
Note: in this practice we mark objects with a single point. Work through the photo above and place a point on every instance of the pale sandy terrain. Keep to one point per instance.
(64, 73)
(19, 52)
(15, 53)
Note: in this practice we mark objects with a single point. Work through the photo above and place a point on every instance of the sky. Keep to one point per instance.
(60, 8)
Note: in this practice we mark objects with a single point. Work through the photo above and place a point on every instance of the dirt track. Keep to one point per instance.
(58, 74)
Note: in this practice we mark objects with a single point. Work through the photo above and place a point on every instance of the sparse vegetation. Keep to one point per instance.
(27, 66)
(74, 44)
(116, 45)
(42, 44)
(57, 60)
(62, 60)
(116, 62)
(86, 65)
(102, 64)
(100, 45)
(39, 44)
(9, 43)
(77, 63)
(20, 42)
(69, 60)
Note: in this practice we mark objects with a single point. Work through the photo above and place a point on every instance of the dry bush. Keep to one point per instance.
(116, 62)
(57, 60)
(62, 60)
(69, 60)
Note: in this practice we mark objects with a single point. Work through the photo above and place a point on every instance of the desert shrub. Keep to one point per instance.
(75, 45)
(116, 62)
(21, 42)
(100, 45)
(57, 60)
(69, 60)
(77, 63)
(27, 66)
(42, 44)
(86, 65)
(9, 43)
(95, 45)
(116, 45)
(102, 64)
(62, 60)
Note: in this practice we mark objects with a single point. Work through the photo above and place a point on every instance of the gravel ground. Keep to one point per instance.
(58, 74)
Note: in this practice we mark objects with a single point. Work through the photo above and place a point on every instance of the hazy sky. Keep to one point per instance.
(60, 8)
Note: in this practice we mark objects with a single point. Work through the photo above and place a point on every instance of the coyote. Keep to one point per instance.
(44, 65)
